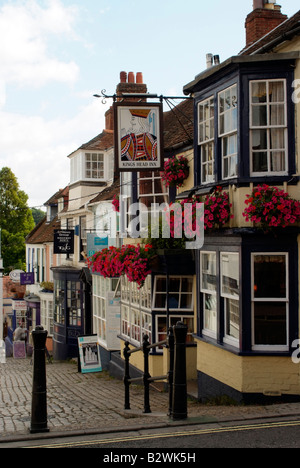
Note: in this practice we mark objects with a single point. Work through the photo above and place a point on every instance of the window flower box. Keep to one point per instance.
(269, 208)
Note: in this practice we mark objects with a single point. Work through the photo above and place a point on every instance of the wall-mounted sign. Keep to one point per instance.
(89, 354)
(95, 243)
(26, 278)
(15, 275)
(138, 139)
(64, 241)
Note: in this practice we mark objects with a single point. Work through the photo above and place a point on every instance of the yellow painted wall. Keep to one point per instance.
(137, 360)
(269, 375)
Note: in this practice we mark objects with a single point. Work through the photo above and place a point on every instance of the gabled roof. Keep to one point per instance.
(61, 193)
(101, 142)
(179, 126)
(43, 231)
(285, 31)
(108, 193)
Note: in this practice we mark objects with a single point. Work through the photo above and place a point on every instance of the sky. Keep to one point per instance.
(56, 54)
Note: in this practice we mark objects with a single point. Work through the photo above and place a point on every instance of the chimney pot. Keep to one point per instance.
(139, 78)
(258, 4)
(131, 78)
(123, 77)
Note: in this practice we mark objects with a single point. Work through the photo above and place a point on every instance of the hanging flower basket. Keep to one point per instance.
(268, 207)
(176, 171)
(130, 260)
(116, 203)
(217, 212)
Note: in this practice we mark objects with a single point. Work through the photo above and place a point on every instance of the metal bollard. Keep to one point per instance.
(126, 375)
(171, 368)
(146, 374)
(179, 406)
(39, 390)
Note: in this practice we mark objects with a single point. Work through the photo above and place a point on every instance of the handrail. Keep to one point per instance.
(176, 343)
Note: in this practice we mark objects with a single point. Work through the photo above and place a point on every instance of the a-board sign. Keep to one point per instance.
(89, 354)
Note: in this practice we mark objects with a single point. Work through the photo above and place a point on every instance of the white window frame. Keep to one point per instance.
(100, 170)
(135, 304)
(228, 339)
(205, 291)
(180, 292)
(161, 336)
(268, 128)
(269, 299)
(232, 131)
(206, 144)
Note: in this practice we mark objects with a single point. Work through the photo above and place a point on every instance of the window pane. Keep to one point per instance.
(260, 162)
(210, 312)
(277, 116)
(259, 92)
(230, 274)
(276, 91)
(208, 267)
(270, 276)
(259, 139)
(259, 116)
(278, 161)
(232, 317)
(270, 323)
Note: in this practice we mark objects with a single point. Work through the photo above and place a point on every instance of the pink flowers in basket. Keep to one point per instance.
(216, 212)
(176, 170)
(116, 203)
(270, 207)
(129, 260)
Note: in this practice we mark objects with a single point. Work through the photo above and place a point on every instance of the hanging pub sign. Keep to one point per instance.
(63, 241)
(138, 139)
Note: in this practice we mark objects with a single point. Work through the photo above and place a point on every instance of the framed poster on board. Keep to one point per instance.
(89, 354)
(138, 136)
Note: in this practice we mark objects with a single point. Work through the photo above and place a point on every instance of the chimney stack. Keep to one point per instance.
(131, 83)
(266, 15)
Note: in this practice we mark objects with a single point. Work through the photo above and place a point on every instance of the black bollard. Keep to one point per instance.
(179, 406)
(146, 375)
(171, 368)
(126, 375)
(39, 390)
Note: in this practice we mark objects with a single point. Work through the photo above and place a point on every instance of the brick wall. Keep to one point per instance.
(261, 21)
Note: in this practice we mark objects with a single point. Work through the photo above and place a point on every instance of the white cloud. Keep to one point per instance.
(25, 28)
(36, 150)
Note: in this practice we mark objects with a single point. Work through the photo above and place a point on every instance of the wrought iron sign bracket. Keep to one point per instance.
(122, 96)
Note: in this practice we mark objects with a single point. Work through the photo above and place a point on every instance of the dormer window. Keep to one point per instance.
(94, 165)
(268, 127)
(91, 166)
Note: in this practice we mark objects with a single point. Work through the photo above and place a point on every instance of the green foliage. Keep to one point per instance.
(16, 220)
(38, 215)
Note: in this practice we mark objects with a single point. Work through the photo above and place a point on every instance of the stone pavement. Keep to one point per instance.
(94, 403)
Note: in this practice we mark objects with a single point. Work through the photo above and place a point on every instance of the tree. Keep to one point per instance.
(38, 215)
(16, 220)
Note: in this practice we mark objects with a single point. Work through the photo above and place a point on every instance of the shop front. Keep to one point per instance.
(68, 312)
